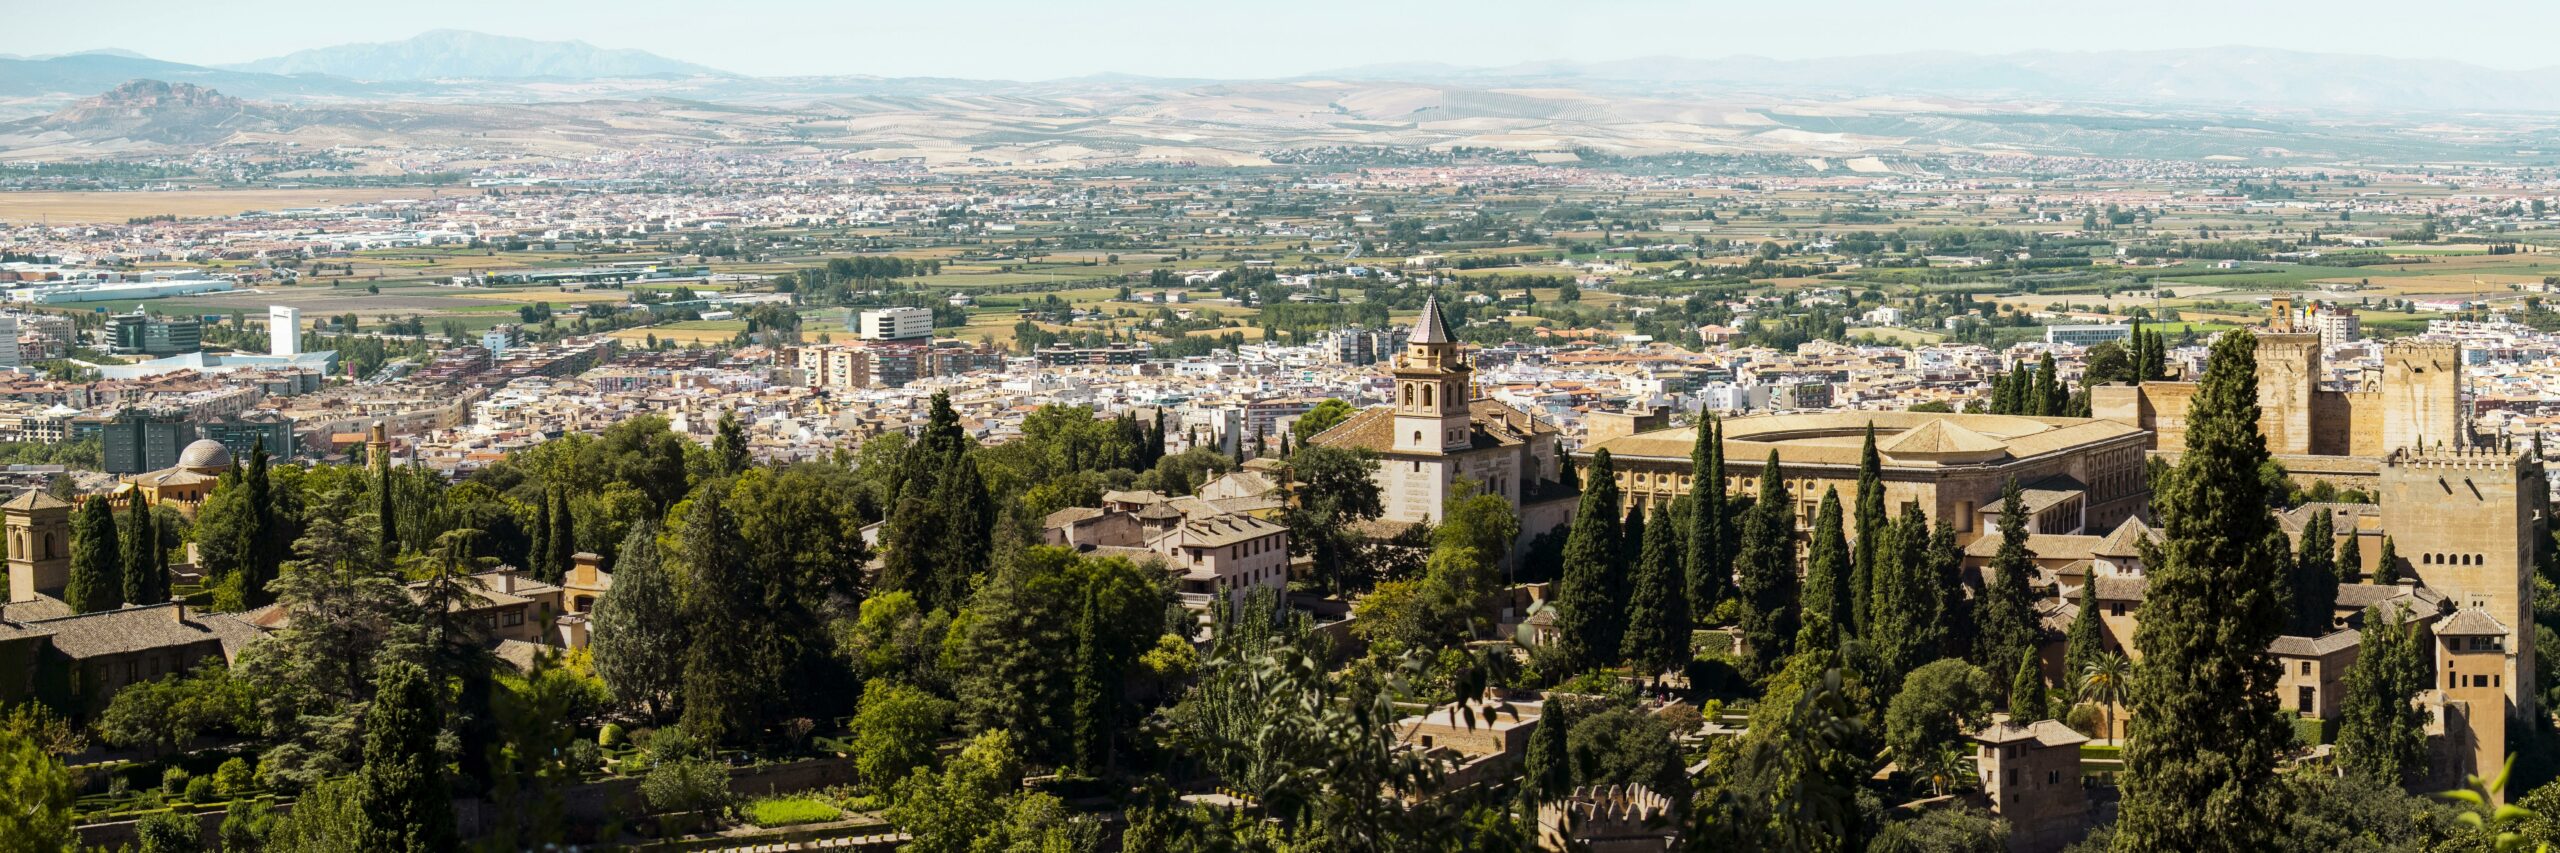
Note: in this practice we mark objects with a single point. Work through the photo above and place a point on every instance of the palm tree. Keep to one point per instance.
(1943, 769)
(2105, 682)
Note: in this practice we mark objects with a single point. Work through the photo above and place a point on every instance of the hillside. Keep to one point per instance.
(459, 54)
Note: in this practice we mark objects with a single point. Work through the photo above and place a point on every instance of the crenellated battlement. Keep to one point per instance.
(2481, 458)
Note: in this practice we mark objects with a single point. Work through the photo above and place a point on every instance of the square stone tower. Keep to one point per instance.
(39, 528)
(2463, 519)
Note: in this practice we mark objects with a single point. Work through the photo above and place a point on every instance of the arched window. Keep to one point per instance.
(1417, 438)
(1426, 396)
(1408, 395)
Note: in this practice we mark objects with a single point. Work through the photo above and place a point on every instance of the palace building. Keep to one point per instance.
(1437, 432)
(2076, 475)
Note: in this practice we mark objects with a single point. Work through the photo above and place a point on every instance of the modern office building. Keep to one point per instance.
(147, 334)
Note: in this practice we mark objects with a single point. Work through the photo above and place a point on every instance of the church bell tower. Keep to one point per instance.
(1432, 387)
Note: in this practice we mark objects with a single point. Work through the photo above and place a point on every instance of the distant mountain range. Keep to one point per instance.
(460, 66)
(2225, 76)
(458, 89)
(460, 54)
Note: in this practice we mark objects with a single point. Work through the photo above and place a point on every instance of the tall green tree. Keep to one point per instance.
(2382, 734)
(1331, 489)
(1906, 629)
(97, 571)
(1829, 583)
(1587, 614)
(2027, 696)
(732, 671)
(1657, 613)
(639, 640)
(146, 579)
(2050, 395)
(2007, 614)
(2350, 560)
(563, 540)
(1710, 570)
(407, 803)
(386, 510)
(2386, 565)
(729, 446)
(1766, 564)
(2086, 639)
(1871, 521)
(267, 539)
(537, 556)
(2315, 578)
(2206, 727)
(1548, 770)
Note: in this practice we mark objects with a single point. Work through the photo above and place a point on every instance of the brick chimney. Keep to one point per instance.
(178, 609)
(507, 579)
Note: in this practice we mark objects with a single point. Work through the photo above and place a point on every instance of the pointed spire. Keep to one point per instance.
(1429, 328)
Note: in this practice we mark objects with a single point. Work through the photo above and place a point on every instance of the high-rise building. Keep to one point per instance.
(284, 331)
(138, 440)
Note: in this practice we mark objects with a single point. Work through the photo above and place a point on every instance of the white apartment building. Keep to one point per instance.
(894, 324)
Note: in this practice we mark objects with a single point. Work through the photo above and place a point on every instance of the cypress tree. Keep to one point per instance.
(2315, 578)
(2206, 727)
(1096, 693)
(539, 554)
(2386, 566)
(1709, 570)
(1766, 565)
(969, 515)
(386, 511)
(563, 539)
(1631, 549)
(1907, 630)
(97, 571)
(2049, 396)
(1657, 613)
(1828, 583)
(1871, 533)
(1591, 550)
(1549, 767)
(2008, 614)
(143, 584)
(407, 805)
(265, 549)
(2350, 559)
(1955, 619)
(2382, 736)
(2087, 639)
(2027, 699)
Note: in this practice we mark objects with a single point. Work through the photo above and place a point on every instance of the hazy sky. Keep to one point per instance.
(1218, 38)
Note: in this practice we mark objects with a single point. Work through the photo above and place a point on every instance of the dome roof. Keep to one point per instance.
(205, 453)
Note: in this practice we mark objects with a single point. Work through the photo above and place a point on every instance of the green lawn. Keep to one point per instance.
(787, 811)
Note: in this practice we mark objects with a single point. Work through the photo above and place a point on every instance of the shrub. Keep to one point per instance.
(174, 781)
(585, 757)
(201, 790)
(610, 735)
(235, 776)
(246, 824)
(169, 832)
(686, 786)
(786, 811)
